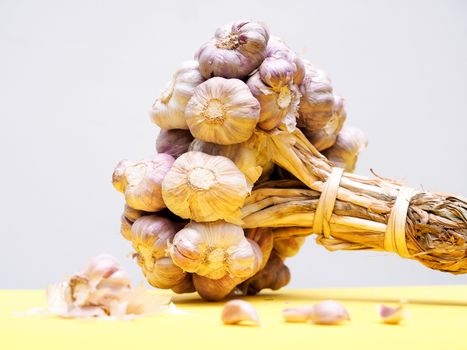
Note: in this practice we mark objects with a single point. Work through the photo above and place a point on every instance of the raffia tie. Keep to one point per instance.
(326, 203)
(394, 238)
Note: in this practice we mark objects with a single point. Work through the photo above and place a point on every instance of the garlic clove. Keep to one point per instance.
(277, 48)
(168, 111)
(264, 239)
(205, 188)
(235, 51)
(297, 314)
(239, 311)
(174, 142)
(185, 286)
(392, 315)
(222, 111)
(349, 143)
(125, 227)
(140, 181)
(241, 263)
(329, 312)
(288, 247)
(277, 72)
(214, 290)
(165, 274)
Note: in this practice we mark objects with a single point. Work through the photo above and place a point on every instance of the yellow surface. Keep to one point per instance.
(430, 326)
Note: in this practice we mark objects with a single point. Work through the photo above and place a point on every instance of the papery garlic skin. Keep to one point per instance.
(205, 188)
(235, 51)
(150, 236)
(263, 237)
(349, 143)
(329, 312)
(277, 105)
(174, 142)
(140, 181)
(289, 247)
(244, 157)
(239, 311)
(168, 111)
(214, 250)
(222, 111)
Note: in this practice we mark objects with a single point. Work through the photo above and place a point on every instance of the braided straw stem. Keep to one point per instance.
(357, 212)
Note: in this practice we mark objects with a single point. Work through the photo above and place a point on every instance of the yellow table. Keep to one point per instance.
(431, 325)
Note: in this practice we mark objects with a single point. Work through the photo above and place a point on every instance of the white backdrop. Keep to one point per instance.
(78, 77)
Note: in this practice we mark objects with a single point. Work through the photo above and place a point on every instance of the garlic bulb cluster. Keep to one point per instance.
(222, 111)
(221, 118)
(235, 51)
(168, 111)
(205, 188)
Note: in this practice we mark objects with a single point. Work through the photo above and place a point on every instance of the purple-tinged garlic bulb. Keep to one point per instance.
(222, 111)
(235, 51)
(168, 110)
(174, 142)
(278, 49)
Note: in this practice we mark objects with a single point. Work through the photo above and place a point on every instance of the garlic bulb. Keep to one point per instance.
(278, 105)
(127, 219)
(174, 142)
(222, 111)
(239, 311)
(288, 247)
(215, 249)
(278, 49)
(168, 111)
(214, 290)
(264, 239)
(205, 188)
(150, 236)
(325, 137)
(235, 51)
(317, 100)
(349, 143)
(140, 181)
(166, 274)
(241, 154)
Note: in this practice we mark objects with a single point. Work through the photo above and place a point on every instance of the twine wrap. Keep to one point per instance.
(394, 238)
(326, 203)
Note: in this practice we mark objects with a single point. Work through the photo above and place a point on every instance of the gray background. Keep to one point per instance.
(77, 79)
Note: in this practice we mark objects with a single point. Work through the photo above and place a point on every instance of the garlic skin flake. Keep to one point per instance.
(222, 111)
(168, 110)
(205, 188)
(214, 250)
(174, 142)
(392, 315)
(239, 311)
(141, 181)
(235, 51)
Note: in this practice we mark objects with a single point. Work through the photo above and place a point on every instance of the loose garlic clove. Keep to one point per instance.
(344, 153)
(165, 274)
(392, 315)
(297, 314)
(168, 111)
(288, 247)
(214, 249)
(317, 100)
(174, 142)
(214, 290)
(240, 311)
(205, 188)
(150, 236)
(140, 181)
(264, 239)
(329, 312)
(222, 111)
(244, 157)
(278, 106)
(326, 137)
(235, 51)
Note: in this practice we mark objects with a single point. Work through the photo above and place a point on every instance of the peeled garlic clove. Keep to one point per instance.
(326, 137)
(214, 290)
(239, 311)
(222, 111)
(174, 142)
(288, 247)
(235, 51)
(297, 314)
(214, 249)
(141, 181)
(168, 111)
(165, 274)
(150, 236)
(392, 315)
(277, 105)
(329, 312)
(244, 157)
(349, 143)
(205, 188)
(317, 99)
(264, 239)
